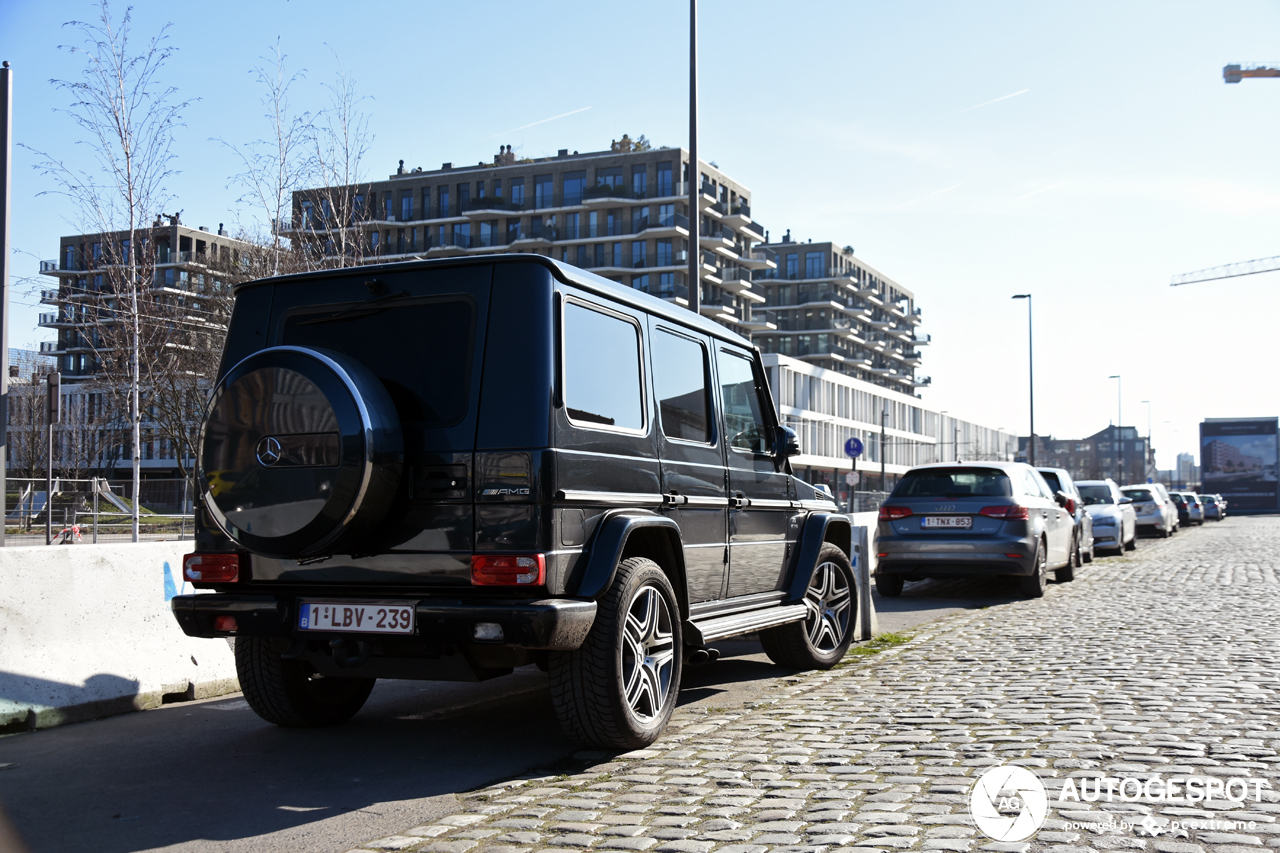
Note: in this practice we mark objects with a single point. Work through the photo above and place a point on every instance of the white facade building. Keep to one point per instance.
(826, 408)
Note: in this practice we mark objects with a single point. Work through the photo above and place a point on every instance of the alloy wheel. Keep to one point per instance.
(648, 654)
(830, 604)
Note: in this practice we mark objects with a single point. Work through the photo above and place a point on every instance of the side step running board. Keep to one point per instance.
(710, 630)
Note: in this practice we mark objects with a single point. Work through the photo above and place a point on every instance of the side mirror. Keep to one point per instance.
(1061, 499)
(785, 443)
(1124, 501)
(823, 488)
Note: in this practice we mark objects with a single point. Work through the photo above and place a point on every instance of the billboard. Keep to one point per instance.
(1238, 459)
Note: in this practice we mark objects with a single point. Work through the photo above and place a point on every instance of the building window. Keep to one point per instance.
(665, 187)
(666, 215)
(542, 192)
(426, 202)
(97, 254)
(580, 257)
(442, 201)
(813, 266)
(613, 222)
(664, 256)
(69, 261)
(639, 219)
(406, 207)
(640, 282)
(667, 284)
(306, 215)
(610, 177)
(793, 265)
(387, 211)
(462, 234)
(464, 197)
(517, 191)
(638, 260)
(640, 180)
(513, 229)
(497, 187)
(479, 189)
(574, 184)
(570, 227)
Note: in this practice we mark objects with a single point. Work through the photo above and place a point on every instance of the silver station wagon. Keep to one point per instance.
(974, 518)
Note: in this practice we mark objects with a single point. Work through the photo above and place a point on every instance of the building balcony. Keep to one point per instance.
(50, 348)
(49, 297)
(760, 321)
(922, 341)
(722, 309)
(480, 208)
(739, 215)
(675, 225)
(53, 321)
(757, 261)
(921, 381)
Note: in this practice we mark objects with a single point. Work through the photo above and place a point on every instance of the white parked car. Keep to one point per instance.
(1155, 510)
(1115, 524)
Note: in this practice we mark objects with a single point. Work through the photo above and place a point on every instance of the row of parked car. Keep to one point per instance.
(1009, 518)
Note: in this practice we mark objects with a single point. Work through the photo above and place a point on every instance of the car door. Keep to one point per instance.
(759, 493)
(691, 454)
(1057, 523)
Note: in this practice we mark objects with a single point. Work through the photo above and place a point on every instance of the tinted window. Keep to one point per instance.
(1096, 495)
(954, 483)
(1033, 485)
(1052, 479)
(441, 335)
(743, 420)
(1139, 494)
(601, 369)
(680, 377)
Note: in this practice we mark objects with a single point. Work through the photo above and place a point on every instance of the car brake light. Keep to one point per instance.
(890, 513)
(1071, 506)
(211, 568)
(508, 570)
(1009, 513)
(225, 624)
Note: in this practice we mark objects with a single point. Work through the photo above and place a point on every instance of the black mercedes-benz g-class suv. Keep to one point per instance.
(444, 470)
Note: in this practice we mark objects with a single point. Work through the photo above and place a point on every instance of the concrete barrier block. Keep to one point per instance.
(87, 632)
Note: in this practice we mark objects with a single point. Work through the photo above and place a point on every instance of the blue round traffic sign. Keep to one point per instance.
(853, 447)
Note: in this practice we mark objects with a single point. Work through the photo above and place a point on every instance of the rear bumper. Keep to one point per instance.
(560, 624)
(909, 562)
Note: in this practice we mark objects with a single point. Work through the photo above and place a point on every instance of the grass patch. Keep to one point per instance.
(878, 644)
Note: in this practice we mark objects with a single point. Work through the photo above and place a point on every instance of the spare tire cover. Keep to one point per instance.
(300, 453)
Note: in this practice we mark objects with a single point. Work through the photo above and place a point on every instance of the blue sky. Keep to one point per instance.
(1083, 152)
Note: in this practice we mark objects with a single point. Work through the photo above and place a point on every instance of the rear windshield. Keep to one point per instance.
(1177, 498)
(954, 483)
(1138, 494)
(1096, 495)
(420, 349)
(1052, 479)
(1210, 499)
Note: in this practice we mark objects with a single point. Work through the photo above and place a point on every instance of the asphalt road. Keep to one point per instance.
(211, 775)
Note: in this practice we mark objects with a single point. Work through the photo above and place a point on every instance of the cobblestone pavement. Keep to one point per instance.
(1158, 663)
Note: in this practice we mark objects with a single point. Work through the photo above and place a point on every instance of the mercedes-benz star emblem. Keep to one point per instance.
(268, 452)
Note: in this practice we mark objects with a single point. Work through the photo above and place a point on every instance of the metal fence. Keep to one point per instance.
(867, 501)
(86, 512)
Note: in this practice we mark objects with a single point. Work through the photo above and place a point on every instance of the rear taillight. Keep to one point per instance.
(1071, 506)
(1008, 513)
(891, 513)
(225, 624)
(211, 568)
(508, 570)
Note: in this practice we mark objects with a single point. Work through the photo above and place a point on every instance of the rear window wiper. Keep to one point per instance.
(364, 309)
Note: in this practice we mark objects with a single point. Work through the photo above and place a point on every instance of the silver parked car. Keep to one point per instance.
(973, 518)
(1214, 507)
(1059, 479)
(1155, 510)
(1115, 524)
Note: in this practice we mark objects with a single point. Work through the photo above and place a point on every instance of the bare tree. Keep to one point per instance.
(342, 203)
(128, 117)
(278, 165)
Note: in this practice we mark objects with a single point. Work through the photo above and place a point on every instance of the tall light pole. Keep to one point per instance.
(1031, 381)
(1119, 432)
(1146, 456)
(695, 188)
(942, 444)
(6, 179)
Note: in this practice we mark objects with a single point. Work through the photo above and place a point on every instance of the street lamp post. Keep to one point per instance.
(695, 187)
(1146, 456)
(1119, 432)
(942, 444)
(1031, 381)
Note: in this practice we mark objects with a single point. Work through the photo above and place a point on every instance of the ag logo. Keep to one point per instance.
(268, 452)
(1008, 803)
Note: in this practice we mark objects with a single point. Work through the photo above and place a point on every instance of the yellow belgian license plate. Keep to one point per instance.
(357, 617)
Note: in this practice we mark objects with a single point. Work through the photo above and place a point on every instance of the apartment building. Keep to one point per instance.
(1120, 453)
(621, 213)
(826, 407)
(182, 264)
(834, 311)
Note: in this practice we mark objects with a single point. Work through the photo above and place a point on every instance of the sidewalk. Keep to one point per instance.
(1164, 662)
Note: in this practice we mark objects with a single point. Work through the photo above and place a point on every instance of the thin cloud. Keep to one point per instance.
(538, 122)
(996, 101)
(929, 196)
(1059, 185)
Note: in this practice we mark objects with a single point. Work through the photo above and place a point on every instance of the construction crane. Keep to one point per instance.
(1236, 73)
(1228, 271)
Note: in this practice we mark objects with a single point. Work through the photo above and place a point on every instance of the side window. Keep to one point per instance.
(602, 369)
(1033, 487)
(680, 377)
(744, 422)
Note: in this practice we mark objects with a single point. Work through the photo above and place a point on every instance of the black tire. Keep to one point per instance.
(890, 586)
(1033, 585)
(289, 693)
(604, 695)
(1166, 532)
(1132, 544)
(1087, 556)
(821, 640)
